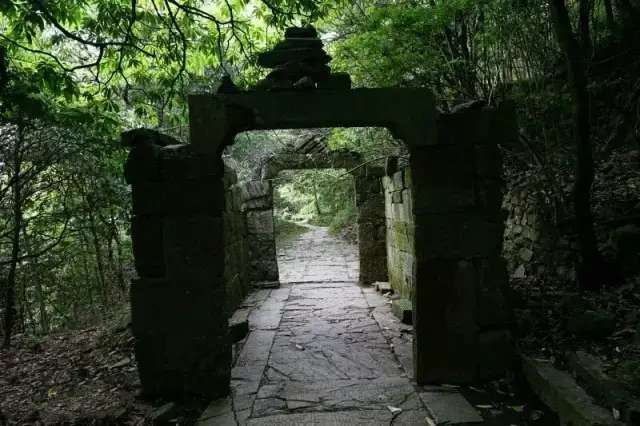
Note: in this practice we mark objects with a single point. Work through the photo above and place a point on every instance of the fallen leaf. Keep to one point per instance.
(517, 408)
(394, 410)
(484, 406)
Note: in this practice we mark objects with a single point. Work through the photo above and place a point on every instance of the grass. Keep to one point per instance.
(287, 231)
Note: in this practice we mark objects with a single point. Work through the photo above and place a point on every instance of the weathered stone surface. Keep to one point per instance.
(146, 239)
(260, 222)
(446, 321)
(450, 408)
(181, 342)
(592, 371)
(560, 392)
(403, 310)
(193, 246)
(495, 353)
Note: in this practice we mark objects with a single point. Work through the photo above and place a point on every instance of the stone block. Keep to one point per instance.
(457, 235)
(403, 310)
(266, 284)
(372, 207)
(180, 330)
(450, 408)
(562, 394)
(495, 353)
(238, 328)
(375, 171)
(488, 160)
(170, 305)
(261, 203)
(260, 222)
(493, 282)
(196, 196)
(489, 197)
(142, 164)
(256, 189)
(397, 180)
(193, 246)
(443, 179)
(396, 197)
(464, 129)
(183, 364)
(383, 287)
(146, 240)
(262, 246)
(263, 270)
(445, 321)
(366, 186)
(179, 163)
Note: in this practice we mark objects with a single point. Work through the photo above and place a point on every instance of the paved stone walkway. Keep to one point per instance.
(321, 350)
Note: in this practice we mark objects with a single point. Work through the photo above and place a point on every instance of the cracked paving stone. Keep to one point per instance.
(319, 348)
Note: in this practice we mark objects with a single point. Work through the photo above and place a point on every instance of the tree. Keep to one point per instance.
(590, 272)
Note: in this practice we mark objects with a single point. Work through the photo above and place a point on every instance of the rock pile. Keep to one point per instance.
(299, 62)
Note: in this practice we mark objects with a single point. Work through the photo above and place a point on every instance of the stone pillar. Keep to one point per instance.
(372, 252)
(258, 204)
(459, 301)
(178, 302)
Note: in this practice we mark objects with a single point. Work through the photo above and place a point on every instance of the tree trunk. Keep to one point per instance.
(585, 36)
(611, 21)
(119, 270)
(315, 196)
(98, 251)
(10, 295)
(590, 269)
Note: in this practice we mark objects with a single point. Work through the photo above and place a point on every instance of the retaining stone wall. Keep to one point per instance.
(257, 201)
(400, 226)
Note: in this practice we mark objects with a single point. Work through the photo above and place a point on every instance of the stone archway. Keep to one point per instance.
(459, 309)
(369, 202)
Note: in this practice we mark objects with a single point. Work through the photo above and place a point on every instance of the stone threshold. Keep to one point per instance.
(560, 392)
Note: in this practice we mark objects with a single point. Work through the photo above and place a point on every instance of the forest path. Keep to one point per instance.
(319, 350)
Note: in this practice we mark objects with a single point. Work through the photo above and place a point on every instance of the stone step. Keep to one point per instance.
(448, 407)
(562, 394)
(402, 309)
(592, 372)
(383, 287)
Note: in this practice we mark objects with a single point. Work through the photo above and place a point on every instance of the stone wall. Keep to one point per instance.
(533, 244)
(460, 302)
(236, 256)
(257, 201)
(400, 232)
(179, 301)
(372, 253)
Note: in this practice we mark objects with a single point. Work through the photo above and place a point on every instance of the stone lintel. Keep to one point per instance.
(409, 113)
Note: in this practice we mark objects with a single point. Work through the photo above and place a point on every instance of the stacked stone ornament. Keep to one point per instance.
(300, 62)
